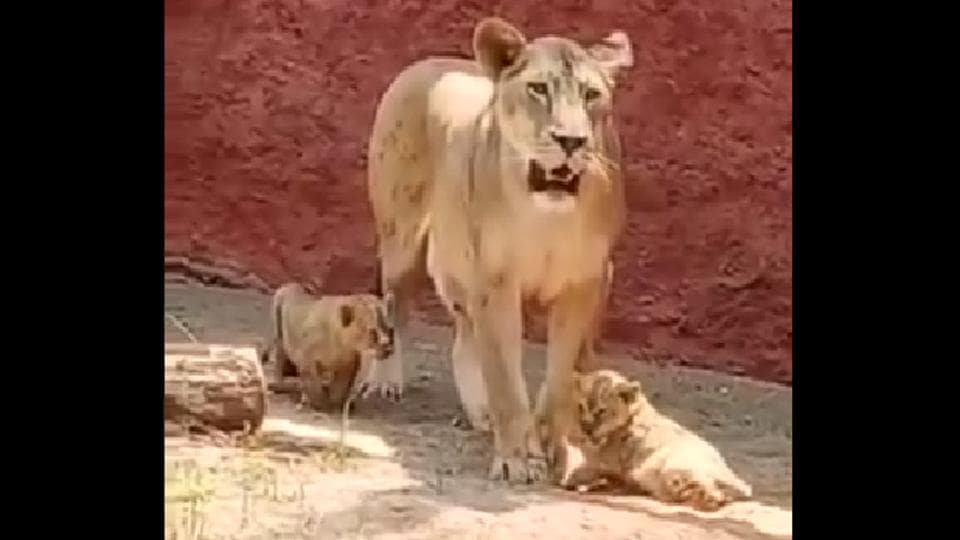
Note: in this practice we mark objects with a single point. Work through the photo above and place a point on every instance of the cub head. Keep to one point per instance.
(552, 102)
(606, 402)
(366, 324)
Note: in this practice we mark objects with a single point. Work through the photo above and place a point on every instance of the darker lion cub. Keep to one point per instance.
(327, 341)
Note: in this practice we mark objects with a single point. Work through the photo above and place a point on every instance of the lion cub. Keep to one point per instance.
(624, 439)
(327, 341)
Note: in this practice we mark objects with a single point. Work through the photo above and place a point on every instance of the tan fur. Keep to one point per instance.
(623, 438)
(451, 156)
(586, 360)
(327, 341)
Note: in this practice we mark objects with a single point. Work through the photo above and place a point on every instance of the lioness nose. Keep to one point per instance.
(568, 143)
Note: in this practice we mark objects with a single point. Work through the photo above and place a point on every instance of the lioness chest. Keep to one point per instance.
(483, 222)
(542, 257)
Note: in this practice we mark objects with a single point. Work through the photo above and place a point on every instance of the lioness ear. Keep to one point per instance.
(496, 45)
(346, 315)
(613, 54)
(629, 392)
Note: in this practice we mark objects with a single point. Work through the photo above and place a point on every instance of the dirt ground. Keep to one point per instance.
(411, 473)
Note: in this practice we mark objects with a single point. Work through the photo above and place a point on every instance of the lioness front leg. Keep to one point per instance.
(468, 374)
(385, 376)
(570, 325)
(518, 457)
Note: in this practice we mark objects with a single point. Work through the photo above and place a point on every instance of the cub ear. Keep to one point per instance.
(496, 45)
(613, 53)
(629, 392)
(346, 315)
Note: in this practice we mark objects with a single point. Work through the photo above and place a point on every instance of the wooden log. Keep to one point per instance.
(218, 386)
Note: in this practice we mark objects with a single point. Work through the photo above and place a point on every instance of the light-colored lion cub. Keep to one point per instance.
(329, 342)
(623, 439)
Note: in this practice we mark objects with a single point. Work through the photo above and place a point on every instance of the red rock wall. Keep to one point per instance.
(269, 103)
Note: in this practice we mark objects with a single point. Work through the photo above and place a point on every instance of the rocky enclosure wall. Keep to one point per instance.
(269, 104)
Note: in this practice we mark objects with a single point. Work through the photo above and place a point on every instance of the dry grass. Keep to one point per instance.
(260, 469)
(187, 490)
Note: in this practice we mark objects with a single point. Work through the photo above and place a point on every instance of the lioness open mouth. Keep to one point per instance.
(561, 180)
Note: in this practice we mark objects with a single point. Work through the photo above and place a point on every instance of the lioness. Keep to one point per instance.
(327, 341)
(500, 178)
(622, 438)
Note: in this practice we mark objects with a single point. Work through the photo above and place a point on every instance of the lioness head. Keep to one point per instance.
(606, 401)
(366, 324)
(553, 99)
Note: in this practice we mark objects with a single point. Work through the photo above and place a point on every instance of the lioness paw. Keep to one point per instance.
(386, 390)
(387, 383)
(481, 422)
(518, 470)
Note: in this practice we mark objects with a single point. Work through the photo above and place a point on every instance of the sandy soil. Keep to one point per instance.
(411, 473)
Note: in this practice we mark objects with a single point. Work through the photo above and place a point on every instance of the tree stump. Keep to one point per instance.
(218, 386)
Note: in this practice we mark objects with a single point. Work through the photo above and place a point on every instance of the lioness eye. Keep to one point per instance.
(537, 88)
(591, 94)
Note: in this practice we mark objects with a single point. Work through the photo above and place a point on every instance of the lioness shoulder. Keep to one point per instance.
(326, 341)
